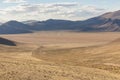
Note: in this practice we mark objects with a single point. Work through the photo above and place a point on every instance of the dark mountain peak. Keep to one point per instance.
(30, 21)
(13, 22)
(14, 27)
(51, 20)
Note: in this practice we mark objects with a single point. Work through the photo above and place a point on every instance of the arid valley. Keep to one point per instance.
(59, 55)
(59, 39)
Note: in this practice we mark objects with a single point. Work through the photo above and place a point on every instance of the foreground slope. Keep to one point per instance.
(17, 66)
(18, 63)
(106, 57)
(23, 69)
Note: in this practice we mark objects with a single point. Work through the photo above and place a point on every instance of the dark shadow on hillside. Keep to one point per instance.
(4, 41)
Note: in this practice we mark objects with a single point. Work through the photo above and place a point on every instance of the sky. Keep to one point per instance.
(23, 10)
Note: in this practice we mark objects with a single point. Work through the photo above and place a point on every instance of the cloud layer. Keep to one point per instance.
(42, 11)
(13, 1)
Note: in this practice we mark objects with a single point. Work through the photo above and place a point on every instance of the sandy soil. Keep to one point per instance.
(61, 56)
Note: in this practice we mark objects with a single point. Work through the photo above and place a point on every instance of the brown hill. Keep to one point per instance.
(112, 15)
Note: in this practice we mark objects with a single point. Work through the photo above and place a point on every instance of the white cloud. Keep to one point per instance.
(14, 1)
(72, 11)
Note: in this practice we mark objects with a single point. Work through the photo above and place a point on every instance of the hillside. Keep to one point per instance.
(105, 57)
(112, 15)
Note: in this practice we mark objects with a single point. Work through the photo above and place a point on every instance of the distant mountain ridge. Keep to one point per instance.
(108, 22)
(14, 27)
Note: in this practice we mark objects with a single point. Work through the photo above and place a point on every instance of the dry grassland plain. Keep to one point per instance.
(61, 55)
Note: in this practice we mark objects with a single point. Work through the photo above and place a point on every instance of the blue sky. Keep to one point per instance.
(62, 9)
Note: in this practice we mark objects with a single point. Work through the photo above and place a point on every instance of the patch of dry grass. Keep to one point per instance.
(63, 56)
(93, 56)
(25, 69)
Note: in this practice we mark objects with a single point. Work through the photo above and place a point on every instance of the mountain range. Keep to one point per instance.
(108, 22)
